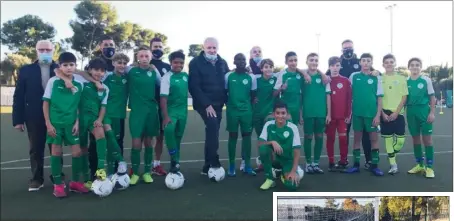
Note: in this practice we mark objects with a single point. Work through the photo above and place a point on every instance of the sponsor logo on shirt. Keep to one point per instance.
(370, 81)
(340, 85)
(286, 134)
(420, 85)
(245, 81)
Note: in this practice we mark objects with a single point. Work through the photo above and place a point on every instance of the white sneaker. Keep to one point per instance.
(393, 170)
(242, 166)
(122, 167)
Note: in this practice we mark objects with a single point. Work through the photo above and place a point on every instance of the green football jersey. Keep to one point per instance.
(292, 95)
(314, 97)
(365, 91)
(63, 102)
(91, 99)
(118, 94)
(239, 87)
(175, 88)
(287, 136)
(419, 91)
(265, 97)
(142, 85)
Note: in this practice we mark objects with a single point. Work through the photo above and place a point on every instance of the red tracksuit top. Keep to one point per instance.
(341, 97)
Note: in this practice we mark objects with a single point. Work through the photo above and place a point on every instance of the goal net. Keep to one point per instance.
(328, 208)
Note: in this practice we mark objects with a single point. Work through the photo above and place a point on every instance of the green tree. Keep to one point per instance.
(278, 69)
(93, 18)
(194, 50)
(10, 65)
(331, 203)
(403, 71)
(350, 204)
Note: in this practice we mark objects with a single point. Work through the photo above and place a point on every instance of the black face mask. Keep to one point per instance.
(157, 53)
(108, 52)
(348, 53)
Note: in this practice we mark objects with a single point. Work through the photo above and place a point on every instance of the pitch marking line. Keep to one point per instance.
(225, 159)
(184, 143)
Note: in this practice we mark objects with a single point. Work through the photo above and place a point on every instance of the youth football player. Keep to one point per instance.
(288, 86)
(281, 138)
(392, 120)
(341, 108)
(420, 116)
(143, 120)
(60, 107)
(240, 86)
(367, 96)
(174, 107)
(316, 111)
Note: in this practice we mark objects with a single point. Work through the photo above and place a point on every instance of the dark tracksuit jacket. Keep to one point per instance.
(163, 68)
(207, 87)
(349, 66)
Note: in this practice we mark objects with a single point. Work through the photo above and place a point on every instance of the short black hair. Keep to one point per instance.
(311, 55)
(155, 39)
(333, 60)
(176, 54)
(105, 37)
(67, 57)
(366, 55)
(414, 59)
(389, 56)
(289, 54)
(347, 41)
(280, 104)
(97, 64)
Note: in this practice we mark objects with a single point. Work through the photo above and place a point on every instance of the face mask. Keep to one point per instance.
(257, 60)
(45, 58)
(348, 52)
(211, 57)
(108, 52)
(157, 53)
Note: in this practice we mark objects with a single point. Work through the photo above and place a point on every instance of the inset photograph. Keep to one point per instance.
(363, 208)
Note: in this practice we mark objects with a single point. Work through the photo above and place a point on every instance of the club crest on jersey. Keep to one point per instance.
(370, 81)
(356, 66)
(340, 85)
(298, 77)
(149, 73)
(271, 81)
(185, 78)
(420, 85)
(124, 81)
(318, 80)
(245, 81)
(286, 134)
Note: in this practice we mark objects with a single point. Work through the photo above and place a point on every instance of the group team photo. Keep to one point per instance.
(86, 111)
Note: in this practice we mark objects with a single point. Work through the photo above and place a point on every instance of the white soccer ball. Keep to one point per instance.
(216, 174)
(121, 182)
(174, 181)
(300, 172)
(102, 188)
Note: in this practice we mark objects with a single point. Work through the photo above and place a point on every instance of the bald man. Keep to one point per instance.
(207, 87)
(28, 108)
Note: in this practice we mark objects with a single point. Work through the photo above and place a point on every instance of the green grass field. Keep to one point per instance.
(233, 198)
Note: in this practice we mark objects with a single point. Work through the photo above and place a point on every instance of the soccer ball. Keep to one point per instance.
(120, 182)
(216, 174)
(258, 161)
(102, 188)
(174, 181)
(300, 172)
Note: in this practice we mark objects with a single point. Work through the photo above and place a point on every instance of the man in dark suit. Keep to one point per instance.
(28, 108)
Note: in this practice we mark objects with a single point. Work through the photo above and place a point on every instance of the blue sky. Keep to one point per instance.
(421, 29)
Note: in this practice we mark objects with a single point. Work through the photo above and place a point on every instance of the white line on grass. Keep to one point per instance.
(185, 143)
(198, 161)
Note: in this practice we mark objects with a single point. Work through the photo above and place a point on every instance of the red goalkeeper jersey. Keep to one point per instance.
(341, 97)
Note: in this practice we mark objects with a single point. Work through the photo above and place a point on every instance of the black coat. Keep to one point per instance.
(207, 82)
(28, 95)
(348, 66)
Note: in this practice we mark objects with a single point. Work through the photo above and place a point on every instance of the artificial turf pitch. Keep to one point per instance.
(232, 199)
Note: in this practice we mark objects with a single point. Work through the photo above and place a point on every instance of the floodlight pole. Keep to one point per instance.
(377, 209)
(391, 9)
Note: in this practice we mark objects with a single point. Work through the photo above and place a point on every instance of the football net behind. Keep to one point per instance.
(328, 208)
